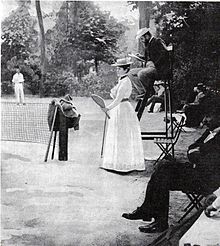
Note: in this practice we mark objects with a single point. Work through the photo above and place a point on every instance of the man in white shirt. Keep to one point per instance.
(18, 80)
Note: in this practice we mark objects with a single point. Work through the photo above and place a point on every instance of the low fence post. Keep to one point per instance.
(63, 137)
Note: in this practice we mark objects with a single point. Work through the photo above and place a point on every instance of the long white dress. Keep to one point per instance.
(123, 149)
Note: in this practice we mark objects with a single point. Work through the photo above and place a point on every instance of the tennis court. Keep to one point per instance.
(67, 203)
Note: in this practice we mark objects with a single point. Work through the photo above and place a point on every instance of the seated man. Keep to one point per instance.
(193, 111)
(158, 97)
(156, 60)
(201, 175)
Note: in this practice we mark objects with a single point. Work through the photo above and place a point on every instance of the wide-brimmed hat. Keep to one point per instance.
(122, 62)
(201, 86)
(142, 31)
(158, 82)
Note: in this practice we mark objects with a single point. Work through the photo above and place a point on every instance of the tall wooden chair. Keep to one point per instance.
(141, 105)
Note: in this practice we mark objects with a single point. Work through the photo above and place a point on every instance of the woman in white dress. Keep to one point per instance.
(123, 149)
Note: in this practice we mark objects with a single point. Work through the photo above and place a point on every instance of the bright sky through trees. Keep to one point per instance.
(118, 9)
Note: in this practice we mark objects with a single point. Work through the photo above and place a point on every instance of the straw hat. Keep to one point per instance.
(142, 31)
(158, 82)
(122, 62)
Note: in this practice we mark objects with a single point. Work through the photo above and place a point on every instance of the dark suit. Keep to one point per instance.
(204, 178)
(156, 52)
(157, 64)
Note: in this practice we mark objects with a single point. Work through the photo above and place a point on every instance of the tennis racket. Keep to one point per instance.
(100, 101)
(137, 57)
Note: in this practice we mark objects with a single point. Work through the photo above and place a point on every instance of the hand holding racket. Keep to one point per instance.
(99, 100)
(101, 104)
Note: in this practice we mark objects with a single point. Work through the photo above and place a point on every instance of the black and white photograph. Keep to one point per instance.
(110, 123)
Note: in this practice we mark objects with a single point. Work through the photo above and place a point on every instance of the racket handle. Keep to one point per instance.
(107, 115)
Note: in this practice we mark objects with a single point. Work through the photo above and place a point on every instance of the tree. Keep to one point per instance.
(145, 13)
(18, 34)
(193, 28)
(82, 33)
(42, 46)
(18, 47)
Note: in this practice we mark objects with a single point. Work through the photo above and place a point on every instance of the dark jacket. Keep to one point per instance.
(208, 163)
(157, 52)
(67, 108)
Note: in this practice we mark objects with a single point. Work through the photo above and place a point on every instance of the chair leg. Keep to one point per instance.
(165, 152)
(138, 105)
(195, 202)
(142, 105)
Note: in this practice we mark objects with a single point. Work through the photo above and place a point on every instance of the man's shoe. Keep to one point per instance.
(154, 227)
(136, 215)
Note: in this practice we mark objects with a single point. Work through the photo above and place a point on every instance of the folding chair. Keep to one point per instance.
(194, 202)
(175, 123)
(166, 144)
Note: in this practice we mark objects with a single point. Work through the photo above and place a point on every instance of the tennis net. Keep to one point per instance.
(25, 123)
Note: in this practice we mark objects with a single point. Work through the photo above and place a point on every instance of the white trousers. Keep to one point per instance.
(19, 92)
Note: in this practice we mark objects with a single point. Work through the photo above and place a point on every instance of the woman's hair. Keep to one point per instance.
(126, 67)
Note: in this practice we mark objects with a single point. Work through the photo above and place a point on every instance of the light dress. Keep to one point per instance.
(123, 149)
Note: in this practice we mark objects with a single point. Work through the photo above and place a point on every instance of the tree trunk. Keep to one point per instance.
(144, 8)
(144, 13)
(42, 47)
(96, 65)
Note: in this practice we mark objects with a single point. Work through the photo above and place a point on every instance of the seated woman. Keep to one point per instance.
(158, 97)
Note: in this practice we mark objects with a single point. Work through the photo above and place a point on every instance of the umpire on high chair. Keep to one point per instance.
(201, 175)
(156, 58)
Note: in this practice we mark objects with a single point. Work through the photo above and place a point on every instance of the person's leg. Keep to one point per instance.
(150, 100)
(155, 99)
(156, 202)
(138, 88)
(17, 93)
(21, 92)
(147, 77)
(193, 117)
(169, 176)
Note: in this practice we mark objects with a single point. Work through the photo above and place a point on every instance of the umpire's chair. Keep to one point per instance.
(169, 131)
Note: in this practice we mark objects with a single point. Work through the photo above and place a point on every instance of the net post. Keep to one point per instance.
(63, 137)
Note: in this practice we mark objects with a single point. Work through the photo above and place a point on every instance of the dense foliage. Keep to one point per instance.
(83, 33)
(193, 28)
(59, 83)
(83, 37)
(19, 47)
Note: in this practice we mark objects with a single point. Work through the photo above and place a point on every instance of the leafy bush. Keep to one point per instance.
(192, 28)
(30, 71)
(7, 87)
(58, 84)
(93, 84)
